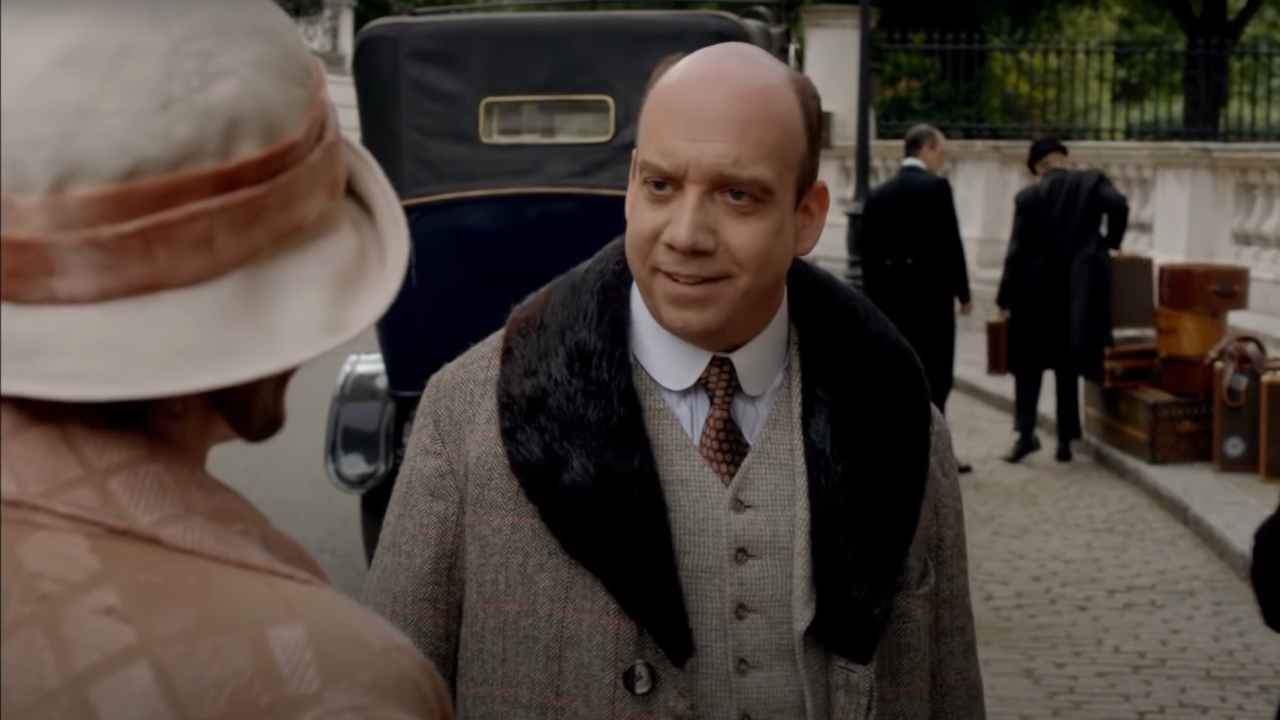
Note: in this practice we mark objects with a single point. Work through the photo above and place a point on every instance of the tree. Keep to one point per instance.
(1210, 36)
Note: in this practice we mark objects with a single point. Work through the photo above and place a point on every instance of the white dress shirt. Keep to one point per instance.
(914, 162)
(676, 365)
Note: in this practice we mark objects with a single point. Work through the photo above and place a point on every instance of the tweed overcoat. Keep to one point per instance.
(527, 549)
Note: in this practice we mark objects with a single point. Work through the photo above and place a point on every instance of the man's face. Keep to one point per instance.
(935, 154)
(712, 217)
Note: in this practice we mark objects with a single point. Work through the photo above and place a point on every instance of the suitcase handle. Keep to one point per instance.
(1225, 290)
(1241, 355)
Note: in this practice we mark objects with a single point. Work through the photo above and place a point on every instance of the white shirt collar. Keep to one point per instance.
(677, 365)
(914, 162)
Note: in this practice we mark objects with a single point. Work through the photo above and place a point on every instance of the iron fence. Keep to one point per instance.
(1001, 88)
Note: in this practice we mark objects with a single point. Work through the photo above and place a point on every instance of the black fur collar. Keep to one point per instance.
(574, 432)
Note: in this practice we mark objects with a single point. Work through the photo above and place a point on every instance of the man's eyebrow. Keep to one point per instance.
(648, 167)
(757, 183)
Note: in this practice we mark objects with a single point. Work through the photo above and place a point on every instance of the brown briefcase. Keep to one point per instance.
(1204, 287)
(1133, 291)
(1149, 423)
(1131, 365)
(1270, 433)
(1237, 403)
(1185, 375)
(997, 347)
(1187, 333)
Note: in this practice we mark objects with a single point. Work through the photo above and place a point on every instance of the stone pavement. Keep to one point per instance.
(1092, 603)
(1224, 509)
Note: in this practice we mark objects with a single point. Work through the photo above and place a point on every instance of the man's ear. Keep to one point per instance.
(811, 218)
(631, 187)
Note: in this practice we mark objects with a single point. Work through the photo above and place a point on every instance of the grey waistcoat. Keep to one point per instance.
(735, 552)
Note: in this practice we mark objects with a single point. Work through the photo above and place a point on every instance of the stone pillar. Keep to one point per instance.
(832, 37)
(831, 53)
(1191, 217)
(345, 33)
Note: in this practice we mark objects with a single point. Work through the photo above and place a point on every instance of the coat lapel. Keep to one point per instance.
(573, 429)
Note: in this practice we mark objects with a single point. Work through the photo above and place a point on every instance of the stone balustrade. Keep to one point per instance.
(1188, 202)
(330, 34)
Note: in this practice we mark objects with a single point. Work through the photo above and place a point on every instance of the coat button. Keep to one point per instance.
(740, 556)
(639, 679)
(738, 506)
(743, 666)
(741, 611)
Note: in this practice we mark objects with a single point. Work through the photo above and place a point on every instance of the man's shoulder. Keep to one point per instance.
(1027, 195)
(922, 182)
(470, 374)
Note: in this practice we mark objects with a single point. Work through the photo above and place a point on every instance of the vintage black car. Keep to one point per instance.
(508, 136)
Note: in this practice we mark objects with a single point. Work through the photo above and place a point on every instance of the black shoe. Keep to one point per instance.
(1064, 453)
(964, 468)
(1024, 447)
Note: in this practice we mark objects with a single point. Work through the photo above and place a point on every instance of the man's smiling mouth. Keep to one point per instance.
(690, 279)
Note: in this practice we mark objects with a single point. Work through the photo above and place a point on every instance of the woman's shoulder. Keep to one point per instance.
(109, 623)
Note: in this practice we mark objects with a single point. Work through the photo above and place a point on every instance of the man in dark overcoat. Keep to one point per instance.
(913, 262)
(1056, 288)
(696, 476)
(1265, 572)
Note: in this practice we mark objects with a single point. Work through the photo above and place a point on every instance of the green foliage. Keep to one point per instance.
(1095, 89)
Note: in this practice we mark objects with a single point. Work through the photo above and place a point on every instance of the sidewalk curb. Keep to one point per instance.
(1212, 513)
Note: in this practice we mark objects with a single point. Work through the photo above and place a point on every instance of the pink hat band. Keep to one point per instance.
(169, 232)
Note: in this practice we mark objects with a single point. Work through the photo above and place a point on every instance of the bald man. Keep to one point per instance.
(695, 477)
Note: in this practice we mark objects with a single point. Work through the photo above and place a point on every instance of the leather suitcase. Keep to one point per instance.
(1133, 296)
(1149, 423)
(1182, 332)
(1269, 437)
(1132, 365)
(1237, 405)
(997, 347)
(1204, 287)
(1185, 375)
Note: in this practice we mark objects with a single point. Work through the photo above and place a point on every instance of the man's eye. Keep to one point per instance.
(739, 196)
(659, 186)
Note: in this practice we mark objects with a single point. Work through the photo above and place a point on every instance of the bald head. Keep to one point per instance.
(743, 80)
(722, 195)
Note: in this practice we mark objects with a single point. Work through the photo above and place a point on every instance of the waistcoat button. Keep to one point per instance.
(741, 611)
(738, 506)
(740, 557)
(639, 679)
(743, 666)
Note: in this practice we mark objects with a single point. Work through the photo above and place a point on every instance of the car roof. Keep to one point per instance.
(421, 83)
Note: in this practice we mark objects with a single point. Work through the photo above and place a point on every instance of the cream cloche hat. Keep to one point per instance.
(178, 209)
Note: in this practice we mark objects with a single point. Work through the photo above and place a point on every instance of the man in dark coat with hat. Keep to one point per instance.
(1056, 288)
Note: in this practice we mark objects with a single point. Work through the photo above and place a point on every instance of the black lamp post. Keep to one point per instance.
(862, 172)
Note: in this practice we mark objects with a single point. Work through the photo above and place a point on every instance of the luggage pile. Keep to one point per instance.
(1177, 386)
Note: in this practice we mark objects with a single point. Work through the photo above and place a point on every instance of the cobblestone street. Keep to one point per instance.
(1092, 602)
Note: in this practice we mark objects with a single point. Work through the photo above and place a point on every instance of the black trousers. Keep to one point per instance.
(1026, 393)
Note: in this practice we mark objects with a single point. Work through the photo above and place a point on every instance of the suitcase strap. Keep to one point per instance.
(1241, 356)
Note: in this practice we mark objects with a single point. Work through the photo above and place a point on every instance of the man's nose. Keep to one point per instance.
(689, 229)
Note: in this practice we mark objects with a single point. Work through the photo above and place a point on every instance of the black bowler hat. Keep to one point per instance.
(1043, 148)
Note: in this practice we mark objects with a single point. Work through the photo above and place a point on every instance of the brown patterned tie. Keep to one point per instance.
(722, 444)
